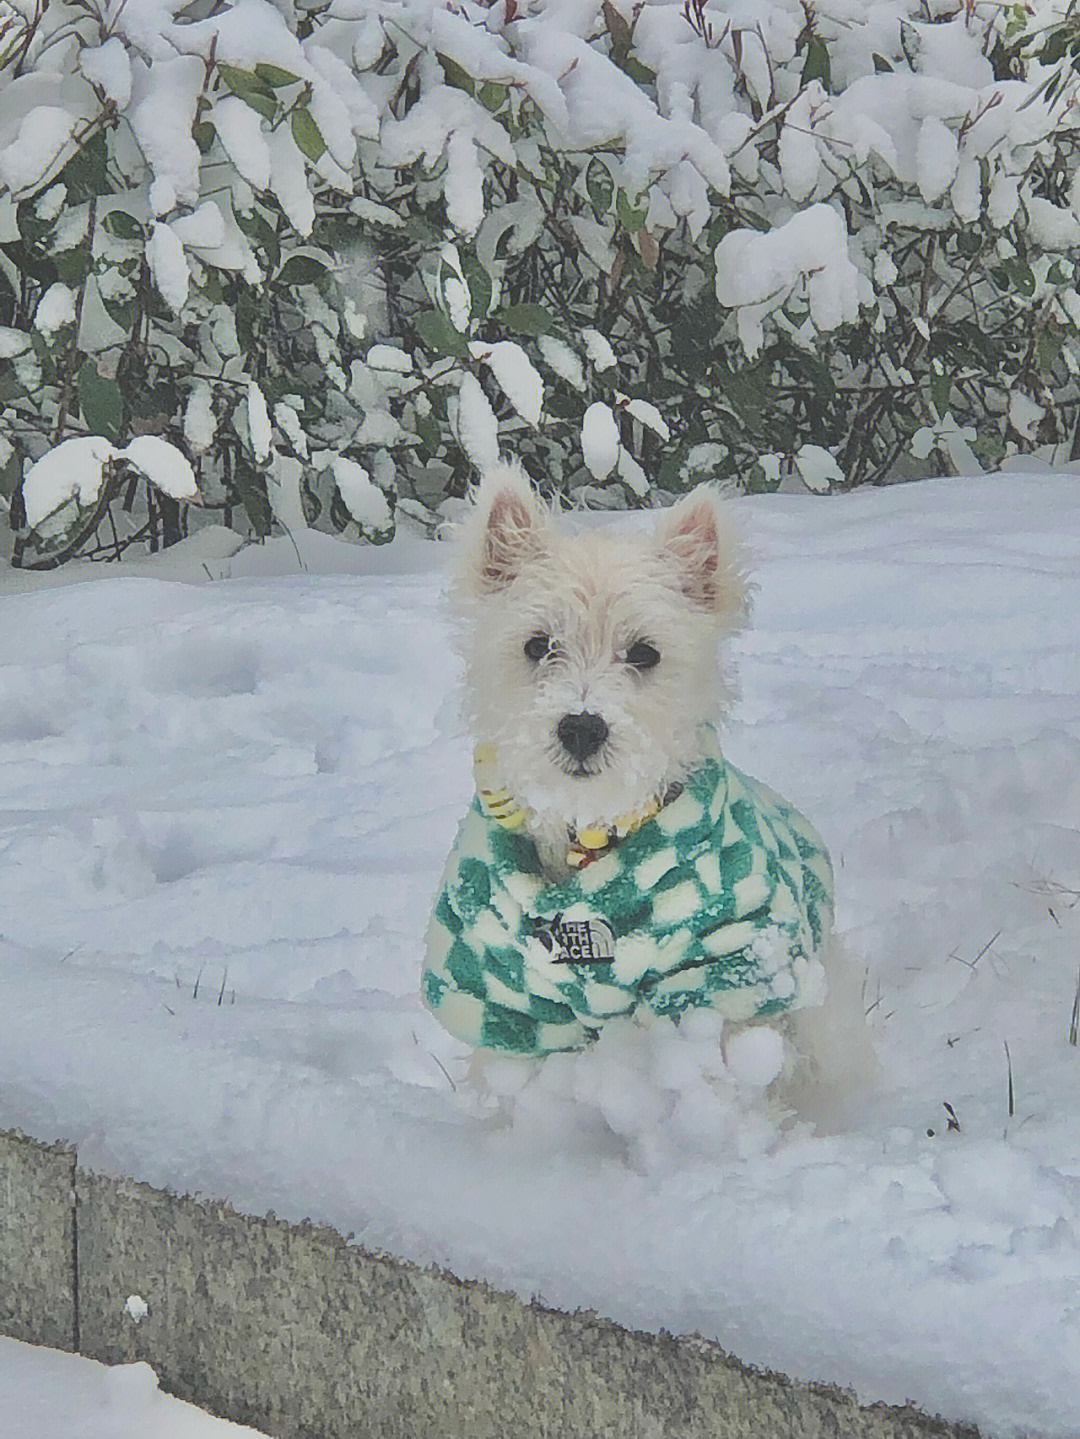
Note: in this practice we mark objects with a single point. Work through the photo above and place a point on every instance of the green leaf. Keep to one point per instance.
(72, 266)
(301, 270)
(816, 65)
(211, 285)
(1020, 273)
(122, 225)
(881, 65)
(525, 319)
(600, 185)
(637, 71)
(10, 387)
(941, 392)
(249, 88)
(10, 475)
(430, 434)
(559, 406)
(275, 76)
(438, 334)
(492, 96)
(203, 134)
(307, 134)
(85, 173)
(629, 215)
(1047, 350)
(101, 402)
(479, 283)
(258, 228)
(456, 76)
(620, 32)
(249, 486)
(669, 476)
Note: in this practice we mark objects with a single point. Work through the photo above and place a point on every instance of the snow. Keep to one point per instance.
(362, 497)
(240, 130)
(42, 137)
(109, 66)
(168, 266)
(288, 180)
(71, 470)
(45, 1394)
(476, 426)
(244, 791)
(199, 424)
(163, 465)
(936, 159)
(12, 342)
(260, 433)
(558, 355)
(599, 439)
(817, 468)
(56, 308)
(389, 357)
(598, 349)
(517, 376)
(162, 114)
(756, 272)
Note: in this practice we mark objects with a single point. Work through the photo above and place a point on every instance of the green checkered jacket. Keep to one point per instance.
(721, 899)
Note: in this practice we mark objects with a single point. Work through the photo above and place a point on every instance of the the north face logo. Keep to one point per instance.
(578, 941)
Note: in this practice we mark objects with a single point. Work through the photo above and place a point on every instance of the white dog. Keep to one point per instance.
(593, 658)
(613, 859)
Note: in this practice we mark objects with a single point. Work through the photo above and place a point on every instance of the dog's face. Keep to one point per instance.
(593, 659)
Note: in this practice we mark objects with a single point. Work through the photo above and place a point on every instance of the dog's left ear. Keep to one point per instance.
(706, 558)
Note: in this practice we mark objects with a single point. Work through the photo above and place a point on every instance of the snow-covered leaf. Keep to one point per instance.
(600, 440)
(163, 466)
(517, 376)
(477, 427)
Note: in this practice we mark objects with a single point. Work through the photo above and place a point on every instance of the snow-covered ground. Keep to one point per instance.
(48, 1395)
(223, 810)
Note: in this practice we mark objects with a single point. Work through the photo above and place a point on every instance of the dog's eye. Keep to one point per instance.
(537, 646)
(642, 655)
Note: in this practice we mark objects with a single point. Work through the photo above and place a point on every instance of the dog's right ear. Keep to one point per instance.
(507, 528)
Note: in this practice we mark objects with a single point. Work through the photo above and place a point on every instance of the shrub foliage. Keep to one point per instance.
(336, 254)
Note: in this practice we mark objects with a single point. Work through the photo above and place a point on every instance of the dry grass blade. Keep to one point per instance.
(1074, 1021)
(1012, 1096)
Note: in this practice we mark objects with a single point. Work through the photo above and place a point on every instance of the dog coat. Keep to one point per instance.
(720, 899)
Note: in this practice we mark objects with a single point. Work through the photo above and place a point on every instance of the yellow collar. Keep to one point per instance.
(583, 845)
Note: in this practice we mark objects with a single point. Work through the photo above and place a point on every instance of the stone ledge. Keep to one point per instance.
(37, 1241)
(293, 1330)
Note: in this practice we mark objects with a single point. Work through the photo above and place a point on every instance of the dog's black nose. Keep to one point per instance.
(581, 735)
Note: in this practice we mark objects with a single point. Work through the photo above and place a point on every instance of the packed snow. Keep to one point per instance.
(45, 1394)
(225, 808)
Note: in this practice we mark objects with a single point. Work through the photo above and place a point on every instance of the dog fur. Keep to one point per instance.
(682, 590)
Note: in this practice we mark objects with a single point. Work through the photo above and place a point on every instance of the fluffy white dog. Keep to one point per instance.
(613, 861)
(593, 658)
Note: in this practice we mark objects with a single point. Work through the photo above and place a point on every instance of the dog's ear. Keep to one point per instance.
(706, 559)
(507, 528)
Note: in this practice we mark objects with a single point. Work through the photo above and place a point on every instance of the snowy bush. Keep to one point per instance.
(336, 254)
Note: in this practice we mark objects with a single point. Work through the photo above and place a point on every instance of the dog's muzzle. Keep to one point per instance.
(581, 735)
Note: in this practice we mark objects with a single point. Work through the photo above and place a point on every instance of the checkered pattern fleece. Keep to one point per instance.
(721, 900)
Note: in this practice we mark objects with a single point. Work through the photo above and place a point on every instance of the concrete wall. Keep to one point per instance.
(291, 1329)
(37, 1242)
